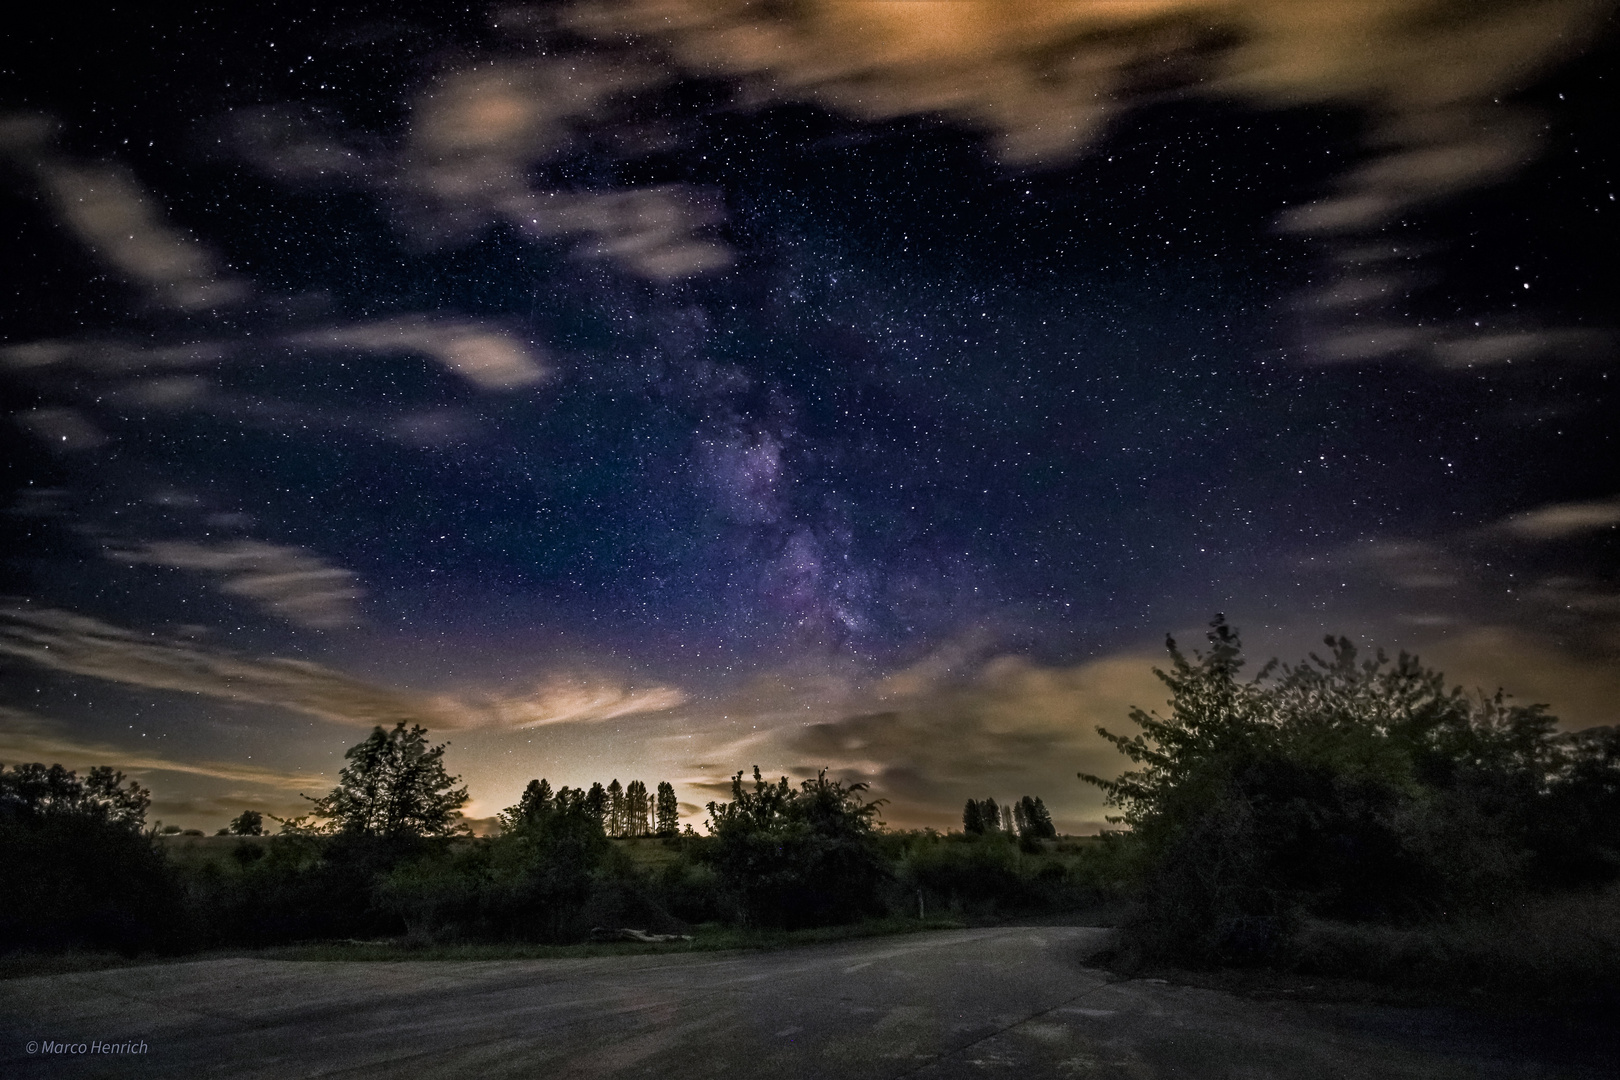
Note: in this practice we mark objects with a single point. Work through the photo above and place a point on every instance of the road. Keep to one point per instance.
(1003, 1002)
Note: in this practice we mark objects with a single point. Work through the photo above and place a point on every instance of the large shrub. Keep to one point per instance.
(77, 869)
(797, 857)
(1345, 788)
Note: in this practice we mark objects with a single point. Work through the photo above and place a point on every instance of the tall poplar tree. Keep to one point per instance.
(668, 810)
(615, 823)
(635, 809)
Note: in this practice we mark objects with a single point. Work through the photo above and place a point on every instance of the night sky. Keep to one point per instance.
(653, 388)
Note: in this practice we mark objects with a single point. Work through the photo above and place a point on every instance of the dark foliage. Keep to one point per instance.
(797, 857)
(666, 811)
(1354, 790)
(394, 785)
(247, 823)
(77, 870)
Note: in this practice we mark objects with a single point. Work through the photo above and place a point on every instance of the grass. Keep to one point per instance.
(1540, 949)
(708, 938)
(1554, 954)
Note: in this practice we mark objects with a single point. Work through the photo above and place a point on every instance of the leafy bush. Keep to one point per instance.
(78, 871)
(1346, 789)
(796, 858)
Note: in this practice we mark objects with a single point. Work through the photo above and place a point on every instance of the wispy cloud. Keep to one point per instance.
(1044, 75)
(561, 701)
(474, 137)
(25, 737)
(287, 582)
(487, 357)
(962, 723)
(651, 231)
(1560, 520)
(80, 645)
(1009, 729)
(1044, 78)
(109, 357)
(61, 428)
(107, 208)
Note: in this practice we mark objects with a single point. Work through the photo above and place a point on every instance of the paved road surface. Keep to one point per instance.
(1006, 1002)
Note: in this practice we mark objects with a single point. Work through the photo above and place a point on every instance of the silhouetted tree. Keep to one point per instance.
(247, 823)
(596, 801)
(635, 809)
(535, 803)
(1339, 787)
(991, 813)
(1034, 823)
(394, 785)
(545, 859)
(1043, 820)
(101, 795)
(77, 869)
(614, 822)
(973, 818)
(668, 810)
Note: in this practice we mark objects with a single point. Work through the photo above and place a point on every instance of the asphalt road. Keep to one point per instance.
(1013, 1002)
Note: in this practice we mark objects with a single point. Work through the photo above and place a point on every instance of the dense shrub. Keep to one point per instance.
(792, 858)
(1346, 789)
(77, 869)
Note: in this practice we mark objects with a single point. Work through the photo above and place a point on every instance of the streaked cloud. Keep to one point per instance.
(61, 428)
(1044, 78)
(106, 206)
(561, 701)
(474, 138)
(489, 358)
(651, 231)
(1561, 520)
(962, 722)
(287, 582)
(1505, 347)
(25, 737)
(108, 357)
(1044, 75)
(79, 645)
(1008, 729)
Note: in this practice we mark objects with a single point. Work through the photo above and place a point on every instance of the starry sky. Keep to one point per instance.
(654, 388)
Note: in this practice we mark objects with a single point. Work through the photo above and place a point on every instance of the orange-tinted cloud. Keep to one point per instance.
(485, 356)
(560, 701)
(1044, 75)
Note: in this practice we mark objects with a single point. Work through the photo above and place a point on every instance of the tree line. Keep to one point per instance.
(623, 811)
(1027, 818)
(1343, 791)
(395, 784)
